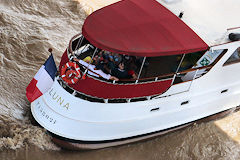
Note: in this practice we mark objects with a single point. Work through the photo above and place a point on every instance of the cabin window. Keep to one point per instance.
(81, 47)
(122, 68)
(78, 42)
(203, 65)
(210, 57)
(234, 58)
(85, 50)
(132, 69)
(164, 65)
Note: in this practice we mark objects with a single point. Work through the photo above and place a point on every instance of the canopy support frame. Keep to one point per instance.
(176, 72)
(95, 51)
(140, 71)
(79, 42)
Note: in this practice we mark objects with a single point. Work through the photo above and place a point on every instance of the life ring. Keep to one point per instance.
(71, 73)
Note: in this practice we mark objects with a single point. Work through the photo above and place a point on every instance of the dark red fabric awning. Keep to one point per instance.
(140, 28)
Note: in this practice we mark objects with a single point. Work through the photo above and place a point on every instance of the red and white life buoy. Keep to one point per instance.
(71, 73)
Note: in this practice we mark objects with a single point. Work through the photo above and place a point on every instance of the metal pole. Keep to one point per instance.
(140, 69)
(177, 69)
(79, 42)
(95, 51)
(180, 63)
(193, 79)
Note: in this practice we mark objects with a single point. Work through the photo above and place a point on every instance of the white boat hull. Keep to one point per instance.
(68, 116)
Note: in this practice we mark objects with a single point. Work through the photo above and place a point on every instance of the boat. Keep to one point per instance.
(180, 60)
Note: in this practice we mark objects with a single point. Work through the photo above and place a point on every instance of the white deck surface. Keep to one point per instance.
(210, 19)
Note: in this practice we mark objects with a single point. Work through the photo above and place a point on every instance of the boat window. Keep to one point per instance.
(85, 50)
(78, 42)
(124, 68)
(121, 68)
(210, 57)
(234, 58)
(203, 65)
(157, 66)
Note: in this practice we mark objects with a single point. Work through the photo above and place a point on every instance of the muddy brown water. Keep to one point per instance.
(27, 29)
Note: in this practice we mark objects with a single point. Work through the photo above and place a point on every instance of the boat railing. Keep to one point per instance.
(177, 77)
(169, 75)
(75, 44)
(70, 45)
(229, 29)
(163, 77)
(77, 40)
(97, 99)
(127, 100)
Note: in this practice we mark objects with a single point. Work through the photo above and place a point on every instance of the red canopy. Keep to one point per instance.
(140, 28)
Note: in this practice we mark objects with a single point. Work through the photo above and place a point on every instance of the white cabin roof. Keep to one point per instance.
(210, 19)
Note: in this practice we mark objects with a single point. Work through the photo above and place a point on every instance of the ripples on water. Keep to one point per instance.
(27, 29)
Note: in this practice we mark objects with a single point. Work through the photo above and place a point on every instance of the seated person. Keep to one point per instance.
(92, 70)
(87, 59)
(101, 64)
(117, 58)
(132, 74)
(110, 65)
(120, 71)
(106, 63)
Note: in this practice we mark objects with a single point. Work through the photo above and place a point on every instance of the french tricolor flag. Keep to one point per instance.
(43, 80)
